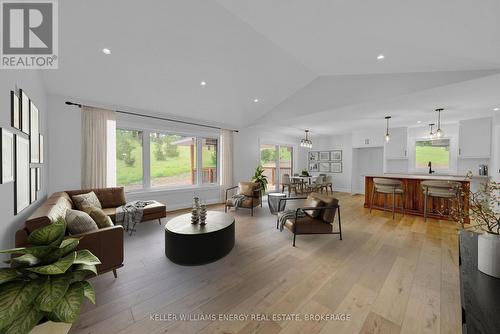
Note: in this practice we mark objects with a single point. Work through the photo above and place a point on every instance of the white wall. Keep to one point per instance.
(366, 161)
(341, 181)
(246, 155)
(29, 81)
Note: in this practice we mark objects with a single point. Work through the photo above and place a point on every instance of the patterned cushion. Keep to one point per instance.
(85, 200)
(101, 219)
(79, 222)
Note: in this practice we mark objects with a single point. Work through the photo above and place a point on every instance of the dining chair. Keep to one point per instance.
(286, 182)
(328, 183)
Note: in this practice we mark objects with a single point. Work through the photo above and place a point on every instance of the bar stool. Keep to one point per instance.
(389, 187)
(448, 190)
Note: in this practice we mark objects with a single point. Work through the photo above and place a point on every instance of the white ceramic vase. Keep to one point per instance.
(488, 254)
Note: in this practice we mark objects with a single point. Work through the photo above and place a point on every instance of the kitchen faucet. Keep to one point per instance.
(430, 168)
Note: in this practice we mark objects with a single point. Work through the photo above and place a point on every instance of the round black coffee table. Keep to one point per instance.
(190, 244)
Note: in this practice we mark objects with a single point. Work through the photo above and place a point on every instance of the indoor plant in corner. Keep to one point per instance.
(43, 290)
(260, 178)
(484, 215)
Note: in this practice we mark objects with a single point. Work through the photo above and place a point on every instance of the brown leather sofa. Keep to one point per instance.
(252, 193)
(320, 215)
(105, 243)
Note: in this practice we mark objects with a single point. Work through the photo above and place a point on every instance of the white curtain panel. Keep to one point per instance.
(95, 131)
(226, 180)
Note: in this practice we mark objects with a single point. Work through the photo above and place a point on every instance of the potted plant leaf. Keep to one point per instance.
(484, 217)
(260, 178)
(44, 288)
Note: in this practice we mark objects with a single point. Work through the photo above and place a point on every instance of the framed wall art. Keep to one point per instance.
(324, 167)
(22, 174)
(336, 167)
(7, 156)
(324, 156)
(33, 185)
(34, 134)
(336, 155)
(41, 148)
(25, 112)
(15, 110)
(313, 166)
(313, 156)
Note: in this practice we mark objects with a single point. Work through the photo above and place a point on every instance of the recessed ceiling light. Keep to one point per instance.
(496, 109)
(380, 57)
(256, 100)
(203, 83)
(419, 122)
(106, 51)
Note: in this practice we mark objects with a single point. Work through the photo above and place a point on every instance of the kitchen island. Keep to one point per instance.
(414, 198)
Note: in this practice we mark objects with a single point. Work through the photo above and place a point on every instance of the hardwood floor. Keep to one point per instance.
(389, 276)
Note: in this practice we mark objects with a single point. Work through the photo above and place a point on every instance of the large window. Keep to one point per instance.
(129, 173)
(209, 160)
(171, 160)
(436, 151)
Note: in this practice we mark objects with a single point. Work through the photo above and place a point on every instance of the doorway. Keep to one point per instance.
(276, 160)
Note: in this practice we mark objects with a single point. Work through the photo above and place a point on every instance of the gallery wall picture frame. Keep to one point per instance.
(324, 167)
(15, 110)
(7, 156)
(324, 156)
(34, 134)
(313, 166)
(41, 149)
(38, 179)
(313, 156)
(22, 174)
(25, 112)
(336, 155)
(336, 167)
(33, 185)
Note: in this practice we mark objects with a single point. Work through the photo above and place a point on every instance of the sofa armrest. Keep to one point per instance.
(106, 244)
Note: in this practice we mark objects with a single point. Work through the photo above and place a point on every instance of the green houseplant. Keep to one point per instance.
(45, 282)
(260, 178)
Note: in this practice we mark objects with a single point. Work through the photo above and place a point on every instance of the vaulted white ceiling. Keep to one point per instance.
(312, 64)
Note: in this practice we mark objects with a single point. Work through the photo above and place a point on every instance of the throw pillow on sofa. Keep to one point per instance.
(85, 200)
(101, 219)
(312, 202)
(79, 222)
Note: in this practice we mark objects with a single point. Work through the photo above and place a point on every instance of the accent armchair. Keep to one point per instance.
(320, 211)
(252, 193)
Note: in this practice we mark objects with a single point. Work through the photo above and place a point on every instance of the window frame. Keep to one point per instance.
(146, 159)
(437, 169)
(131, 128)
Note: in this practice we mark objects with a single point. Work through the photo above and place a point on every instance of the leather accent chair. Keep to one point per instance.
(319, 218)
(252, 192)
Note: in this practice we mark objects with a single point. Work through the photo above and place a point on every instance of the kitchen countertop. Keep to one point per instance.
(423, 177)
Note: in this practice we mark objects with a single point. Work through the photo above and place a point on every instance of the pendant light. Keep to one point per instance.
(431, 134)
(439, 131)
(387, 135)
(306, 142)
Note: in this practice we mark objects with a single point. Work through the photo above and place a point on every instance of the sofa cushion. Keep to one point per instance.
(79, 222)
(85, 200)
(101, 219)
(109, 197)
(312, 202)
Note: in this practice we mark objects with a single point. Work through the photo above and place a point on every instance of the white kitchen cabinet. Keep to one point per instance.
(368, 138)
(475, 138)
(397, 147)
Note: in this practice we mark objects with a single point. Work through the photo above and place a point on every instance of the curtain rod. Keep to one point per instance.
(69, 103)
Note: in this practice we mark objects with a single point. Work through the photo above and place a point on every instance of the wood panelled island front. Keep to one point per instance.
(414, 195)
